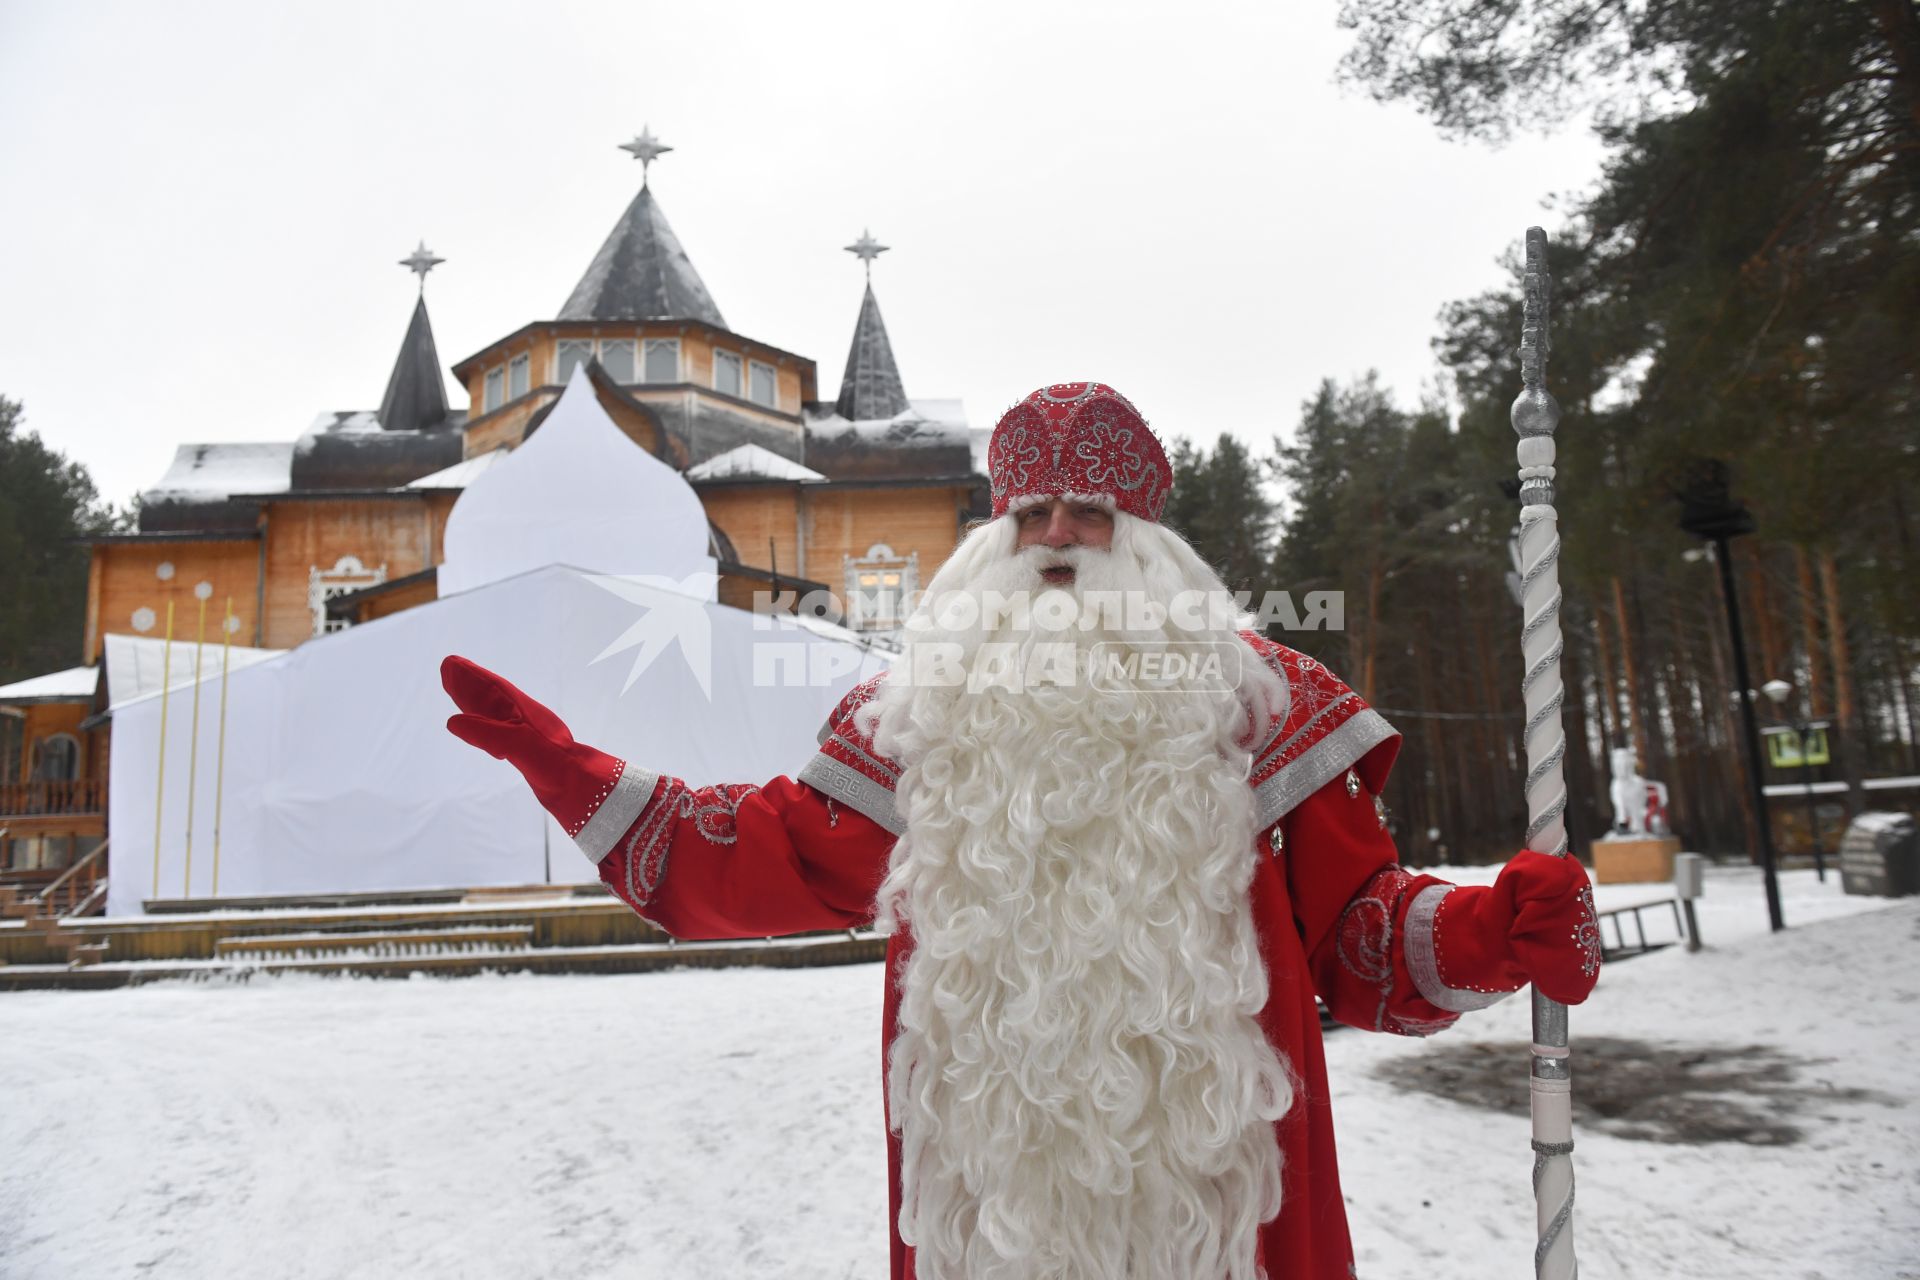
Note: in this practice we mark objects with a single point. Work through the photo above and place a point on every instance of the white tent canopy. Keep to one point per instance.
(337, 773)
(577, 492)
(139, 665)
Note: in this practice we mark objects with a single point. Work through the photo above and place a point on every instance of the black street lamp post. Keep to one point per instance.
(1708, 512)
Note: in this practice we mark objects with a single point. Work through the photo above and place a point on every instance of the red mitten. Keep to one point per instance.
(570, 780)
(1535, 923)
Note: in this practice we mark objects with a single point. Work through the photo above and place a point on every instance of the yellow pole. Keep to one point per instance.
(220, 757)
(160, 769)
(193, 745)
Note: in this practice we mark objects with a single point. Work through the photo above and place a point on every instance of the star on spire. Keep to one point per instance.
(420, 261)
(646, 149)
(866, 248)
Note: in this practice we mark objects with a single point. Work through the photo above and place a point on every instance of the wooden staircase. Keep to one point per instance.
(357, 947)
(46, 927)
(80, 890)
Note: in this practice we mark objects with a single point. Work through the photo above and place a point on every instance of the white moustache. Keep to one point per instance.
(1039, 558)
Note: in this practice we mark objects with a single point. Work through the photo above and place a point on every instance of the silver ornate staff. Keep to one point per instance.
(1550, 1083)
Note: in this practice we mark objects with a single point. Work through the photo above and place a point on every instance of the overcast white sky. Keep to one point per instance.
(204, 203)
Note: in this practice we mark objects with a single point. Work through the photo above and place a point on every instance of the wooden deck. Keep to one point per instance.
(450, 933)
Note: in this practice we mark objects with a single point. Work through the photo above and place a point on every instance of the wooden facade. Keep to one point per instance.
(490, 425)
(797, 529)
(53, 787)
(130, 575)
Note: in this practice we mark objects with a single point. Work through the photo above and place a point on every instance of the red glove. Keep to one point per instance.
(570, 780)
(1535, 923)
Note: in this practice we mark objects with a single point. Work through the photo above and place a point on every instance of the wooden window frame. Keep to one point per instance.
(559, 379)
(679, 361)
(773, 378)
(740, 366)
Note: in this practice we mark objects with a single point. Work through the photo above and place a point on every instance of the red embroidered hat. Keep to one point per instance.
(1077, 439)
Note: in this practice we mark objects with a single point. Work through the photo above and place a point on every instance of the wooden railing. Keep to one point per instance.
(77, 884)
(28, 799)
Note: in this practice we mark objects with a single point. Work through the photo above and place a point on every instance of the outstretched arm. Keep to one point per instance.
(740, 861)
(1394, 951)
(729, 861)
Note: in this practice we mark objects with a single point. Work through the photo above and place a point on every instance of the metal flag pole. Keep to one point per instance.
(160, 765)
(193, 740)
(227, 621)
(1550, 1082)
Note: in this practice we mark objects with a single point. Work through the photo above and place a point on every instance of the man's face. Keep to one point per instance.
(1060, 523)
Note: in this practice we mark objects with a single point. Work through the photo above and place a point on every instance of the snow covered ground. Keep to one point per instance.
(727, 1123)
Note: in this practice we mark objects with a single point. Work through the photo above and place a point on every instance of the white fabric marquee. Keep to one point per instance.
(340, 776)
(578, 492)
(337, 773)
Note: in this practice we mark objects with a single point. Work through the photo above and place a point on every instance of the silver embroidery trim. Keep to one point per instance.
(854, 789)
(1322, 763)
(1423, 957)
(1312, 720)
(855, 748)
(646, 853)
(617, 812)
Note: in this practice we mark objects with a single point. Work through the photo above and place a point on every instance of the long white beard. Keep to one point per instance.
(1080, 1085)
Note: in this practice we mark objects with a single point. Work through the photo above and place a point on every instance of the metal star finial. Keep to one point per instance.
(420, 261)
(866, 248)
(646, 149)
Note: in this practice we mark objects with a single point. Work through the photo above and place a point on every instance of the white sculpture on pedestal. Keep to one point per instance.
(1639, 804)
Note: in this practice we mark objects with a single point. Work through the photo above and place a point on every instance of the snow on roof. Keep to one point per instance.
(460, 474)
(941, 410)
(348, 423)
(979, 438)
(751, 461)
(210, 472)
(915, 427)
(74, 682)
(338, 422)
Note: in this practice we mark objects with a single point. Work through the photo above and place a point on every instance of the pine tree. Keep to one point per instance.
(1743, 282)
(46, 502)
(1219, 506)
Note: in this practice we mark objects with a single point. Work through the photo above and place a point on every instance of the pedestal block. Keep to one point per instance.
(1634, 859)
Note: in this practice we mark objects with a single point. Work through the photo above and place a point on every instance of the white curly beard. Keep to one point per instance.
(1078, 1079)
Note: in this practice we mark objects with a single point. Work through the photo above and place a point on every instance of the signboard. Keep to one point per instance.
(1783, 747)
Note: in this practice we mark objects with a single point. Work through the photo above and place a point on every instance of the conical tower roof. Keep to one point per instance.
(871, 387)
(642, 273)
(416, 398)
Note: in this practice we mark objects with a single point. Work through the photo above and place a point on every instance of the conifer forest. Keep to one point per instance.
(1741, 286)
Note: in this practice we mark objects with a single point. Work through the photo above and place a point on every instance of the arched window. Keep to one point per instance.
(56, 758)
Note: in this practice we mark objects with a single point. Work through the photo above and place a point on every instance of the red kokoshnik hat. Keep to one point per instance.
(1077, 439)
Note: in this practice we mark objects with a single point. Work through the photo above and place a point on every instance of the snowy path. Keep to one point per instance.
(1440, 1189)
(727, 1123)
